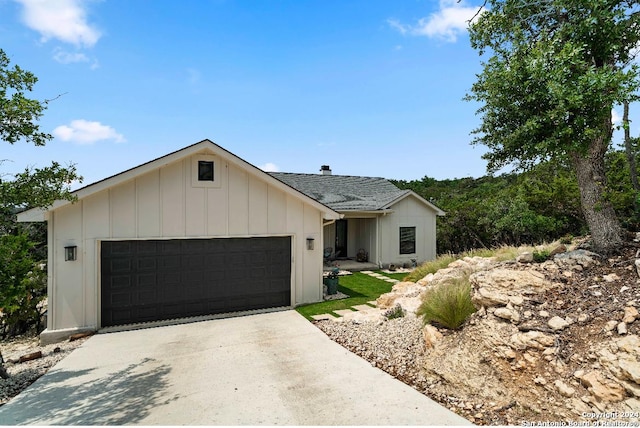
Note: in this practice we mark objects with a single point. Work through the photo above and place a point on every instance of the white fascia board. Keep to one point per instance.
(366, 214)
(204, 145)
(438, 211)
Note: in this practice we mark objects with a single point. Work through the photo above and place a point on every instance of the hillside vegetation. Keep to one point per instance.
(536, 206)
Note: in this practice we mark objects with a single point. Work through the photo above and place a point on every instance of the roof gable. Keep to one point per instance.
(204, 146)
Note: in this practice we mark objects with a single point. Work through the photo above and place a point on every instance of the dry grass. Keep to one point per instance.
(448, 304)
(502, 253)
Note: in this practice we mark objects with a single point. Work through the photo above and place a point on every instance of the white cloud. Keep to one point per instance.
(395, 24)
(269, 167)
(64, 20)
(65, 57)
(85, 132)
(451, 20)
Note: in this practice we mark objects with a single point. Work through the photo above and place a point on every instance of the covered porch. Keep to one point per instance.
(352, 242)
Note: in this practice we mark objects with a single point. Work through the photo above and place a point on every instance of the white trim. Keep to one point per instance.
(195, 165)
(438, 211)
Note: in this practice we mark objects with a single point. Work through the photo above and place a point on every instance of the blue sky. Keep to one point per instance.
(369, 87)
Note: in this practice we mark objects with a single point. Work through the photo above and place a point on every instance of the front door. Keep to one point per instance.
(341, 238)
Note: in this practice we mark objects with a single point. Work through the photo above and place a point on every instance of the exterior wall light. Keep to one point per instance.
(310, 242)
(70, 253)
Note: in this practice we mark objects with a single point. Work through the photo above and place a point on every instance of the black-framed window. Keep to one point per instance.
(408, 240)
(205, 170)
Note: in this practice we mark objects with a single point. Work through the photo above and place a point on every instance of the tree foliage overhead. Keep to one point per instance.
(557, 68)
(18, 113)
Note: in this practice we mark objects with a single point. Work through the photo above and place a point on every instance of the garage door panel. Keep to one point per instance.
(147, 280)
(122, 248)
(169, 262)
(147, 263)
(165, 279)
(120, 266)
(120, 281)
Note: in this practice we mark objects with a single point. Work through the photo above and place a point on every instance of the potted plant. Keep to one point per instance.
(331, 281)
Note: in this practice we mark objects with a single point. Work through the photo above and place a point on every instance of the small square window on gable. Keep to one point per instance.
(205, 170)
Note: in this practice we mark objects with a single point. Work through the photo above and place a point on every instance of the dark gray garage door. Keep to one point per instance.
(165, 279)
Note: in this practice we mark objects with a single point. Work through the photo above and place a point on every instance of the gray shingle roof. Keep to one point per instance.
(344, 192)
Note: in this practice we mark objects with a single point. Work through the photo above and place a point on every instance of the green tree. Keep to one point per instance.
(556, 69)
(22, 279)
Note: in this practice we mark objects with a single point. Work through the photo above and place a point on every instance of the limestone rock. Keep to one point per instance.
(612, 277)
(564, 389)
(637, 263)
(531, 339)
(489, 298)
(576, 260)
(622, 328)
(556, 323)
(402, 292)
(610, 325)
(426, 280)
(630, 314)
(499, 286)
(630, 369)
(630, 344)
(507, 314)
(540, 380)
(525, 257)
(601, 388)
(632, 388)
(431, 335)
(632, 404)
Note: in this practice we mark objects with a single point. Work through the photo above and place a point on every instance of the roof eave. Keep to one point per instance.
(27, 216)
(437, 210)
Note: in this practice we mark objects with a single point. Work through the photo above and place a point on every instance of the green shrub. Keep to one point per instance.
(541, 256)
(23, 284)
(447, 305)
(566, 240)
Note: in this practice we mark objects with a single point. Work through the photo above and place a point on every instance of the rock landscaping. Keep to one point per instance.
(555, 342)
(25, 361)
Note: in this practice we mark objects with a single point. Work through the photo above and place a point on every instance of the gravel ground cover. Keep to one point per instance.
(24, 374)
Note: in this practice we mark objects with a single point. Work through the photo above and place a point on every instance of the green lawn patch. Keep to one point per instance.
(360, 287)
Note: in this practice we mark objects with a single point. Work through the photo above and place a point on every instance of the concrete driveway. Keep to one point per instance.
(267, 369)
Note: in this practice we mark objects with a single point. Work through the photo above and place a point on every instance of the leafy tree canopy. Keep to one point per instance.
(557, 68)
(19, 114)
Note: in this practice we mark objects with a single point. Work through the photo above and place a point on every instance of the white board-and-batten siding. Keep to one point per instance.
(408, 212)
(165, 203)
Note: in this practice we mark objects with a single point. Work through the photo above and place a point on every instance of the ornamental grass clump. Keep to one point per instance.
(448, 304)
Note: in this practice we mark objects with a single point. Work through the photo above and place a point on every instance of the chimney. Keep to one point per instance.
(325, 170)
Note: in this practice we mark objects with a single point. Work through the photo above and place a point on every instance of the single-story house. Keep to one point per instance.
(194, 233)
(380, 222)
(201, 232)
